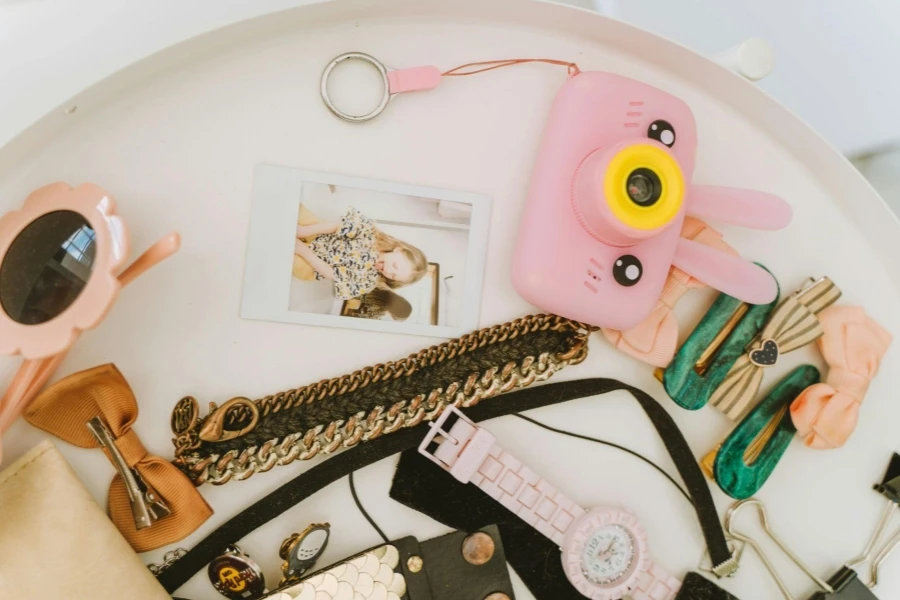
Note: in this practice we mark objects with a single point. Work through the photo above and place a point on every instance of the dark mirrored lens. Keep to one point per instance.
(46, 267)
(643, 187)
(640, 188)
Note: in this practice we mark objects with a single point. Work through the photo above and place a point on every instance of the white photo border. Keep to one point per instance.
(270, 250)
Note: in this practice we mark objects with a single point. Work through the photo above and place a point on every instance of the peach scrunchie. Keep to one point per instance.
(655, 339)
(825, 414)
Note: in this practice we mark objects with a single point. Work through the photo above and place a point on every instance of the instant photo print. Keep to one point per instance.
(341, 251)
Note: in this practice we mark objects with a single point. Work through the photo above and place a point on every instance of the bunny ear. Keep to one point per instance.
(747, 208)
(729, 274)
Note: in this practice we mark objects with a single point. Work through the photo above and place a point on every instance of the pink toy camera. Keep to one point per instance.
(610, 191)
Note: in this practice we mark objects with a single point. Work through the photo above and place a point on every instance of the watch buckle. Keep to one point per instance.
(439, 429)
(470, 447)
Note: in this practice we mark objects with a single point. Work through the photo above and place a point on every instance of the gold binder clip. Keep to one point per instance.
(752, 543)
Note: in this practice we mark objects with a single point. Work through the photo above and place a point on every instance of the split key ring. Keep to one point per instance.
(394, 81)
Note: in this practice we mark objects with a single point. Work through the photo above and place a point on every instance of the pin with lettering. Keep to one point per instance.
(237, 576)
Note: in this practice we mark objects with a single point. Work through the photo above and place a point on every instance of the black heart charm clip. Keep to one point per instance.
(767, 355)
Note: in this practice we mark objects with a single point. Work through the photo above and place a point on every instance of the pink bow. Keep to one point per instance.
(655, 339)
(825, 414)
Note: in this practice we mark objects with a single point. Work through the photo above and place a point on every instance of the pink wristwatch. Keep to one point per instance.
(604, 550)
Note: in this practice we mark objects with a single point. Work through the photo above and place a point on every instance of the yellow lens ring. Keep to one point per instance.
(660, 162)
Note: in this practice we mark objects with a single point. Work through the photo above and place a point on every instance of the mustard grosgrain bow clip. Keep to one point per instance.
(102, 397)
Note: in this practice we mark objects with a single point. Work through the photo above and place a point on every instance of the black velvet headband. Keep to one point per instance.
(353, 459)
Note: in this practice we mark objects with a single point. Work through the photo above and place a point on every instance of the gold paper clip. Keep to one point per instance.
(764, 522)
(871, 553)
(890, 489)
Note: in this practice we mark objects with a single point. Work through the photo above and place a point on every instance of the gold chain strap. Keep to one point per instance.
(409, 365)
(219, 469)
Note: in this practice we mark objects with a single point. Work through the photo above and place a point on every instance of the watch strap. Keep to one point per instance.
(656, 584)
(471, 454)
(531, 555)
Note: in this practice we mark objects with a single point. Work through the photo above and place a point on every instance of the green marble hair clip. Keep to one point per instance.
(723, 361)
(709, 352)
(749, 455)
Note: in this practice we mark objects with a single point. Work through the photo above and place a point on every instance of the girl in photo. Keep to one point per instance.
(356, 256)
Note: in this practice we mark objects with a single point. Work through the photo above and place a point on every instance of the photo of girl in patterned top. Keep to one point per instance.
(356, 256)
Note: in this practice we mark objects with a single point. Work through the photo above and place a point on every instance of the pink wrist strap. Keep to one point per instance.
(413, 79)
(656, 584)
(825, 414)
(471, 454)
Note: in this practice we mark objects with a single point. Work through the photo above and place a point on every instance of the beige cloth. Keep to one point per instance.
(55, 542)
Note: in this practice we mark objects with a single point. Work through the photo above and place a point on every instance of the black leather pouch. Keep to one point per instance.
(455, 566)
(461, 566)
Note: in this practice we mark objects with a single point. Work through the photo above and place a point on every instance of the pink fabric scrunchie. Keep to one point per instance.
(825, 414)
(655, 339)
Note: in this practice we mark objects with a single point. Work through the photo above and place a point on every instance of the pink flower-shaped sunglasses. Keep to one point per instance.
(60, 261)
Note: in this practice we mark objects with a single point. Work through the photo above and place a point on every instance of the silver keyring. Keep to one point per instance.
(385, 98)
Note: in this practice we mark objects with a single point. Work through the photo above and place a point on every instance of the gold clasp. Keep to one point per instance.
(235, 412)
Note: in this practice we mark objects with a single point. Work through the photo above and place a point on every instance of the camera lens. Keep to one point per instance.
(643, 187)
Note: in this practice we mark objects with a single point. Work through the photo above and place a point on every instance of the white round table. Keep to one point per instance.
(175, 137)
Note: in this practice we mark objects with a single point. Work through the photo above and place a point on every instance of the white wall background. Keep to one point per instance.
(834, 61)
(415, 221)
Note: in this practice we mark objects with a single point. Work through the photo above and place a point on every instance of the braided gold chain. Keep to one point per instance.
(346, 433)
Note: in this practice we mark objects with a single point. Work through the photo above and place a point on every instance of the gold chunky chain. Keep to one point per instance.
(346, 433)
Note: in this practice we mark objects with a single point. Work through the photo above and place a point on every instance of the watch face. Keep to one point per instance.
(608, 554)
(605, 553)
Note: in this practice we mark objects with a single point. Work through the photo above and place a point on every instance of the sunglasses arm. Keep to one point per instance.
(158, 252)
(33, 374)
(29, 379)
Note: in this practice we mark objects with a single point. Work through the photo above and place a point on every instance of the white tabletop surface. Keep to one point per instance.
(178, 149)
(833, 62)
